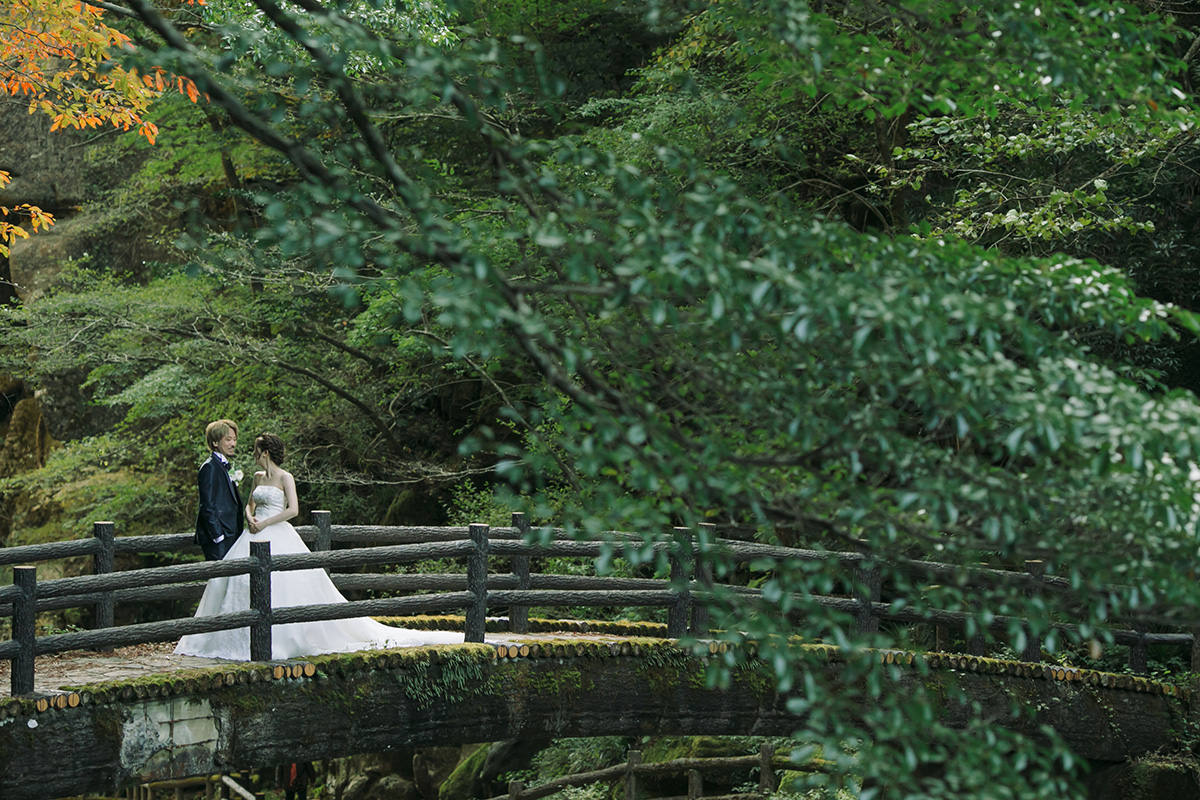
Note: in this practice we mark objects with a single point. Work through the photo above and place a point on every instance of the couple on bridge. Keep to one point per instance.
(272, 503)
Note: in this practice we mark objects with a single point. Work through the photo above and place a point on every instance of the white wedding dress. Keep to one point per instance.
(292, 588)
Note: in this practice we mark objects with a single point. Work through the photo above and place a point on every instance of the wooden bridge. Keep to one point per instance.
(512, 677)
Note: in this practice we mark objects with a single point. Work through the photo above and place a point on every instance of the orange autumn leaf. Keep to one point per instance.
(61, 55)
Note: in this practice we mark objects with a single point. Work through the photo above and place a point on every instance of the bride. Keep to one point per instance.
(272, 504)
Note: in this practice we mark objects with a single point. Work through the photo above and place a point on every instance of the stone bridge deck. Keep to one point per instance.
(104, 721)
(80, 668)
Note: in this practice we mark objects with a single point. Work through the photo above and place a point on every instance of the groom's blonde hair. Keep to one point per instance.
(216, 431)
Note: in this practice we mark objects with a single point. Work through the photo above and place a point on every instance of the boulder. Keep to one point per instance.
(341, 773)
(511, 755)
(69, 406)
(717, 782)
(35, 264)
(1149, 778)
(26, 442)
(67, 173)
(465, 782)
(431, 766)
(48, 169)
(12, 391)
(393, 787)
(358, 786)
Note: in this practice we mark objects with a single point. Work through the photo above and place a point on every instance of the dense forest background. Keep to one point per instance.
(901, 277)
(161, 299)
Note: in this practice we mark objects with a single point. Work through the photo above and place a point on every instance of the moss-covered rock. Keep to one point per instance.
(26, 442)
(25, 446)
(431, 766)
(1150, 778)
(715, 781)
(465, 782)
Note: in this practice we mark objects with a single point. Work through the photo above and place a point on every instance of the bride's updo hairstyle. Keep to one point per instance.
(271, 444)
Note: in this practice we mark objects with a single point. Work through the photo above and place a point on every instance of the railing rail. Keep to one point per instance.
(472, 593)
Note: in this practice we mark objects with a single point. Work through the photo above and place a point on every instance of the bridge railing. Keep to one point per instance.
(472, 593)
(101, 590)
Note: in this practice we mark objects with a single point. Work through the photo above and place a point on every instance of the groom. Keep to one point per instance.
(220, 503)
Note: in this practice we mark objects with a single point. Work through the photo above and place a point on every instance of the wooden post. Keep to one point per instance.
(695, 784)
(1137, 650)
(260, 601)
(476, 621)
(680, 610)
(867, 584)
(977, 644)
(940, 637)
(705, 536)
(518, 616)
(766, 770)
(324, 542)
(515, 788)
(230, 785)
(102, 564)
(631, 781)
(1195, 650)
(24, 630)
(1033, 644)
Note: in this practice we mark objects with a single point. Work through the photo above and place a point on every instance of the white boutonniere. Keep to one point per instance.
(236, 476)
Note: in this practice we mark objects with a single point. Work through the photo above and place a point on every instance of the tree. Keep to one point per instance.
(62, 56)
(9, 231)
(708, 350)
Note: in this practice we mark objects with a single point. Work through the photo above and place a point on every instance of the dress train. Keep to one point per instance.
(292, 588)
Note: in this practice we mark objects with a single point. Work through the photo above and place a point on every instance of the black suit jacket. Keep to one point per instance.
(220, 509)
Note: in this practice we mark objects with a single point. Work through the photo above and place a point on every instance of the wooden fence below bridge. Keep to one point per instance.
(473, 593)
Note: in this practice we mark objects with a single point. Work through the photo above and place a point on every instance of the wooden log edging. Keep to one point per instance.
(185, 682)
(203, 679)
(192, 681)
(573, 648)
(454, 622)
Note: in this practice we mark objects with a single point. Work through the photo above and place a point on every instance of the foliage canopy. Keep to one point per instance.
(674, 334)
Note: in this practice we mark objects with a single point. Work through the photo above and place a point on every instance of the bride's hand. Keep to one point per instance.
(252, 525)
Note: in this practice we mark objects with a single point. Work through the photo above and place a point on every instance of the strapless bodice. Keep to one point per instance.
(268, 501)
